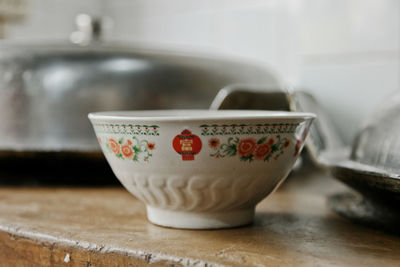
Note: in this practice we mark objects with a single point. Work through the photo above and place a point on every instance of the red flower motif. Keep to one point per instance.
(297, 148)
(287, 143)
(151, 146)
(262, 151)
(127, 150)
(114, 146)
(271, 141)
(214, 142)
(246, 146)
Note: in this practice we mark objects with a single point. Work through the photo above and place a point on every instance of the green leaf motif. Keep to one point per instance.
(249, 158)
(262, 140)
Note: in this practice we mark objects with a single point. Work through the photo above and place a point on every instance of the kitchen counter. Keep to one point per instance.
(107, 227)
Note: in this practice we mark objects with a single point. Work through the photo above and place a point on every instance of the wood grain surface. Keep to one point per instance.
(108, 227)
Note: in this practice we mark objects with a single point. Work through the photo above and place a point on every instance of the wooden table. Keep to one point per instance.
(108, 227)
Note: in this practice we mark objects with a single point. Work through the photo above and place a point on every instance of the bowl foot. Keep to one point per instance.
(199, 220)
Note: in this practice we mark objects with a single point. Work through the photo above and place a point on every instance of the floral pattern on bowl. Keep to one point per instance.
(129, 148)
(249, 149)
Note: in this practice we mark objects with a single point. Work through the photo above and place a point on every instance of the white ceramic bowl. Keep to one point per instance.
(201, 169)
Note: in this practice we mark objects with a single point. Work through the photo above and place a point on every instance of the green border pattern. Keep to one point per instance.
(131, 129)
(236, 129)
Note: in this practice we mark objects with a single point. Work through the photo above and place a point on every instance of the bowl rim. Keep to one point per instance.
(196, 115)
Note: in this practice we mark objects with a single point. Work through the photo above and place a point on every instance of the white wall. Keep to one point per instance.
(346, 52)
(350, 56)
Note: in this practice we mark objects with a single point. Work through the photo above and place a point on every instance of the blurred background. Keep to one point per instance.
(346, 53)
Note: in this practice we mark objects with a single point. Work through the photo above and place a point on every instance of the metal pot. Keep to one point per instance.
(46, 92)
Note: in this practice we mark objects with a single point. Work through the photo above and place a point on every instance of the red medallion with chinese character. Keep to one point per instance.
(187, 144)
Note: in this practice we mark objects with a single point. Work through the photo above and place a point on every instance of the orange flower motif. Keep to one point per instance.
(114, 146)
(127, 150)
(246, 146)
(214, 142)
(151, 146)
(262, 151)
